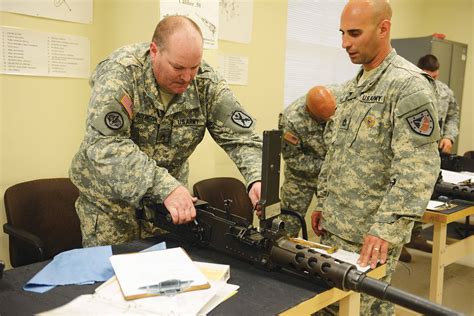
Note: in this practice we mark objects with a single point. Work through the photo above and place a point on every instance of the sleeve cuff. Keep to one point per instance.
(396, 233)
(162, 187)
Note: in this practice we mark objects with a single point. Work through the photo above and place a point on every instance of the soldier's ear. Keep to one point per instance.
(384, 29)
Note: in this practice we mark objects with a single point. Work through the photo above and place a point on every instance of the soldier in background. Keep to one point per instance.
(379, 172)
(448, 116)
(150, 106)
(305, 141)
(448, 108)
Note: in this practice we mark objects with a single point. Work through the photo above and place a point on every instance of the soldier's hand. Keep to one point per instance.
(445, 145)
(373, 250)
(254, 195)
(316, 219)
(180, 204)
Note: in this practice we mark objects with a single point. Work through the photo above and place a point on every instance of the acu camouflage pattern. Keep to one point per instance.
(448, 111)
(303, 159)
(379, 173)
(145, 154)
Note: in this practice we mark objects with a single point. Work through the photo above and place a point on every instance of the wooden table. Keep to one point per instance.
(444, 254)
(349, 302)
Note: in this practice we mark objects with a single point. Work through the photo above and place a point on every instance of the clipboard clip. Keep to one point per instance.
(169, 287)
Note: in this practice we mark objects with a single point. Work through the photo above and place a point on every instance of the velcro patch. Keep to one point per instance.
(113, 120)
(291, 138)
(421, 123)
(127, 104)
(241, 119)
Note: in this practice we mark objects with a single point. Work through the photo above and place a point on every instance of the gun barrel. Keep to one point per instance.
(385, 291)
(296, 257)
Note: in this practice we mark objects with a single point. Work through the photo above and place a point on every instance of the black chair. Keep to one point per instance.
(41, 220)
(217, 192)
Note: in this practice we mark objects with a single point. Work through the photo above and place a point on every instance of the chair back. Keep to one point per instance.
(216, 190)
(41, 219)
(469, 154)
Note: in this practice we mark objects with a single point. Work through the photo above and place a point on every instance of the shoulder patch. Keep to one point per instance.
(113, 120)
(241, 119)
(291, 138)
(127, 103)
(422, 123)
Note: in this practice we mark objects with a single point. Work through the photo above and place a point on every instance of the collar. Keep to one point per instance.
(354, 91)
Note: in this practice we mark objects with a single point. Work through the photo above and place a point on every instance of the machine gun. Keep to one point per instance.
(269, 247)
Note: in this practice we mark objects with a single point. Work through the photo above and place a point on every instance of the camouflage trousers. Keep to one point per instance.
(369, 305)
(114, 226)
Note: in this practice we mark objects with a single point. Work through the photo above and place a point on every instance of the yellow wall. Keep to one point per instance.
(42, 119)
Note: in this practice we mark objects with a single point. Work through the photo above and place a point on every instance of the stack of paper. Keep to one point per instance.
(109, 297)
(141, 274)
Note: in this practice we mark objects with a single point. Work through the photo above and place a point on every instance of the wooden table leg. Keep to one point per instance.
(350, 305)
(437, 262)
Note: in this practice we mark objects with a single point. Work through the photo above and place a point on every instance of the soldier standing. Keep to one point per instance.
(305, 139)
(448, 108)
(150, 106)
(380, 170)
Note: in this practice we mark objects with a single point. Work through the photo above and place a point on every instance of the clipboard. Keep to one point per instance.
(137, 270)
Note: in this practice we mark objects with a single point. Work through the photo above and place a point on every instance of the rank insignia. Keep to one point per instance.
(422, 123)
(291, 138)
(114, 120)
(370, 121)
(242, 119)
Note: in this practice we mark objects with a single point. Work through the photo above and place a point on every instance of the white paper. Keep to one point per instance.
(234, 69)
(434, 205)
(204, 12)
(67, 10)
(235, 20)
(455, 177)
(346, 256)
(147, 268)
(28, 52)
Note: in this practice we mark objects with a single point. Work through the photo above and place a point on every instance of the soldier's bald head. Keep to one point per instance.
(171, 25)
(320, 103)
(378, 10)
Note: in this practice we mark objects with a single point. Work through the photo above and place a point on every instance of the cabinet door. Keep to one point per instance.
(458, 68)
(443, 51)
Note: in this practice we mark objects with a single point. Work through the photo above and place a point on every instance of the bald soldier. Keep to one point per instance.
(380, 170)
(304, 127)
(150, 106)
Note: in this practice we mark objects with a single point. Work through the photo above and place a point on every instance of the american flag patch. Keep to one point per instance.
(291, 138)
(127, 104)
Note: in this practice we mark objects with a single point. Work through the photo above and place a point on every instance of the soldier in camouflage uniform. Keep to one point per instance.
(380, 169)
(448, 108)
(150, 107)
(304, 127)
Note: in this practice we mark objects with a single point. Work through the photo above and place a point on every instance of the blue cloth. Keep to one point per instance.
(77, 266)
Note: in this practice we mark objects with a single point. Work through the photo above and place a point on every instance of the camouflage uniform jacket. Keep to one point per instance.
(135, 147)
(303, 150)
(382, 165)
(448, 111)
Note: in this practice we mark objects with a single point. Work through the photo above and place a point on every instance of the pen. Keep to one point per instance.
(168, 287)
